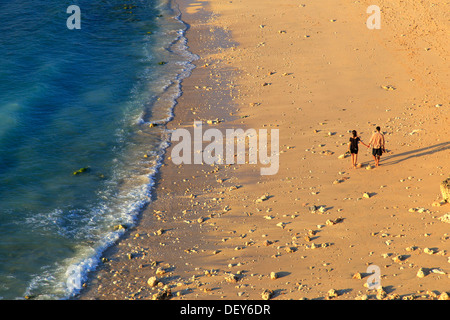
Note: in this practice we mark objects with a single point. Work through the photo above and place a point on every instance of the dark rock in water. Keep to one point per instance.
(80, 171)
(120, 227)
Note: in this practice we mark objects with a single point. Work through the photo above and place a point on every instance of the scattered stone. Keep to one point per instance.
(419, 210)
(316, 246)
(152, 282)
(290, 249)
(267, 294)
(437, 270)
(215, 121)
(262, 198)
(443, 296)
(357, 276)
(164, 294)
(422, 273)
(160, 271)
(381, 294)
(393, 296)
(389, 87)
(332, 294)
(231, 278)
(281, 224)
(398, 258)
(445, 190)
(331, 222)
(445, 218)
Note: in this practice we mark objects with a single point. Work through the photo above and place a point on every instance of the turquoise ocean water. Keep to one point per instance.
(72, 99)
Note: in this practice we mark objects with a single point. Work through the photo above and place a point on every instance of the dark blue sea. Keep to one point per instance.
(80, 100)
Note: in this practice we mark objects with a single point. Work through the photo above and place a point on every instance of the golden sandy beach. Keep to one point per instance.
(314, 71)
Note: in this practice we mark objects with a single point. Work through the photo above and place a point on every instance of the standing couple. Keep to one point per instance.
(377, 142)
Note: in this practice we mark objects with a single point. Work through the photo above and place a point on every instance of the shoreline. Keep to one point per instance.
(216, 242)
(114, 253)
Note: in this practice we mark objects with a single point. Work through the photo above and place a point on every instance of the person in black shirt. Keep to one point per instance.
(353, 147)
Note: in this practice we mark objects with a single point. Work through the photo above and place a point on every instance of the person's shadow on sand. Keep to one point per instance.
(397, 158)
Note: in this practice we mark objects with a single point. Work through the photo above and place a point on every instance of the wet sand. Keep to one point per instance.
(314, 71)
